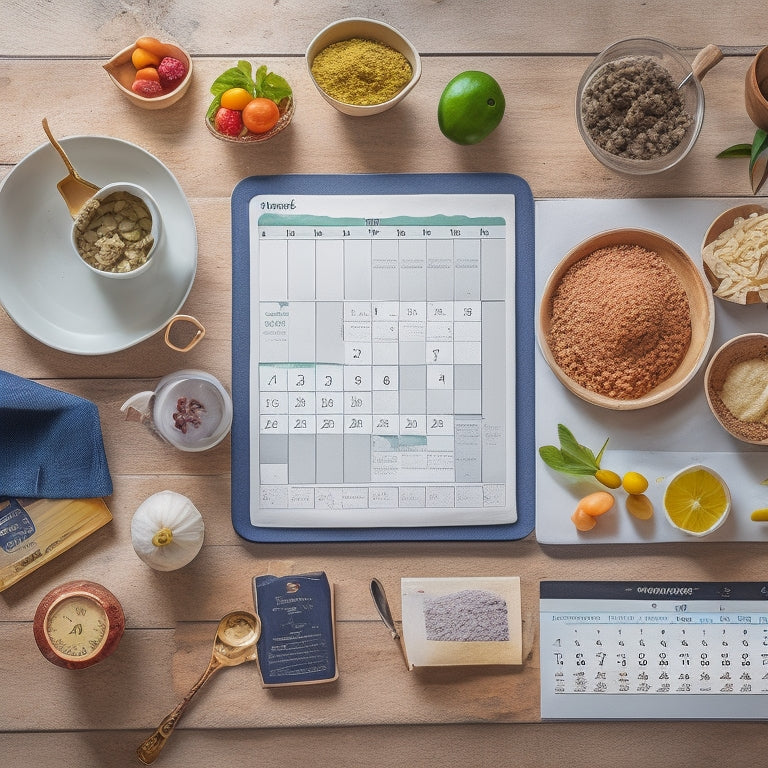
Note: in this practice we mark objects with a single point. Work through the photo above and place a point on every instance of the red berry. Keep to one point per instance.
(171, 72)
(148, 88)
(228, 121)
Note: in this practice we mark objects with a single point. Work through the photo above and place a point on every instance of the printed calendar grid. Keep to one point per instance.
(686, 651)
(382, 368)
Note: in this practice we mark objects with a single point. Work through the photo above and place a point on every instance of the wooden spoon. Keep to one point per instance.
(75, 190)
(236, 638)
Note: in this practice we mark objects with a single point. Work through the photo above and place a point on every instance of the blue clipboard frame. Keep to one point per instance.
(386, 184)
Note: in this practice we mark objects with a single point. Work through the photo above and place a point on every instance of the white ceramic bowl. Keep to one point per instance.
(368, 29)
(122, 72)
(156, 231)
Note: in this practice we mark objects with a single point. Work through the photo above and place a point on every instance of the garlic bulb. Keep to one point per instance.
(167, 531)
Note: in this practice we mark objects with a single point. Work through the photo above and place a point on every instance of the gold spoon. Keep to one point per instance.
(75, 190)
(236, 638)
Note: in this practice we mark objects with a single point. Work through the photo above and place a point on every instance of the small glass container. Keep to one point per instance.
(189, 409)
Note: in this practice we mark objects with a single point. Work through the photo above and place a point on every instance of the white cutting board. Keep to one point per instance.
(656, 441)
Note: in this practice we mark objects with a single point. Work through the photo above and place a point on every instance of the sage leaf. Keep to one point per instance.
(758, 161)
(571, 457)
(759, 145)
(737, 150)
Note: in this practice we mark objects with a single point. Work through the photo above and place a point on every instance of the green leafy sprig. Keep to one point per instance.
(571, 457)
(757, 152)
(263, 84)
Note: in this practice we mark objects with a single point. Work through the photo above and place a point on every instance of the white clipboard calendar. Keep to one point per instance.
(382, 359)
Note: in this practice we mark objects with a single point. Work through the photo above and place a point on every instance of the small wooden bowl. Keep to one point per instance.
(701, 308)
(122, 72)
(717, 227)
(756, 90)
(745, 347)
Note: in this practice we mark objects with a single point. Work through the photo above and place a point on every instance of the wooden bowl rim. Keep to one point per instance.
(724, 357)
(699, 297)
(721, 223)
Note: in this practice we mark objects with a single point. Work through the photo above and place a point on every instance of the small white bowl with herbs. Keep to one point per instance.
(249, 107)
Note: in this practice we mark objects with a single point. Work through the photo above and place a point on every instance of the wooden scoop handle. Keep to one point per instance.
(58, 148)
(705, 59)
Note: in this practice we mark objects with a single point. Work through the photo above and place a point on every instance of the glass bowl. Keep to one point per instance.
(688, 83)
(287, 107)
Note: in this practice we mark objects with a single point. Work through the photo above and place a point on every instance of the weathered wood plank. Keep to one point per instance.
(286, 27)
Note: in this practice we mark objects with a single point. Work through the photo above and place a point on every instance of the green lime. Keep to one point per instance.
(470, 107)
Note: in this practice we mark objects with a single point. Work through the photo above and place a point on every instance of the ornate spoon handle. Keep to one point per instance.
(150, 749)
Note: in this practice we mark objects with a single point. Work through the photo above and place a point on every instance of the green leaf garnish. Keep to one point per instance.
(264, 84)
(571, 457)
(737, 150)
(757, 152)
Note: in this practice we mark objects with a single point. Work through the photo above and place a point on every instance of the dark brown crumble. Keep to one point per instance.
(632, 108)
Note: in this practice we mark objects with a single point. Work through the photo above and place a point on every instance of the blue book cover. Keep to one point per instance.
(298, 639)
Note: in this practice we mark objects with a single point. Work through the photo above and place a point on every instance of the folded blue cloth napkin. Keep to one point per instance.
(51, 445)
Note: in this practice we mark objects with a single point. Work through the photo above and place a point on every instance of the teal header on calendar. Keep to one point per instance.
(438, 220)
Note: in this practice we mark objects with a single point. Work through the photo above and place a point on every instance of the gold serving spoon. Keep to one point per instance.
(75, 190)
(236, 638)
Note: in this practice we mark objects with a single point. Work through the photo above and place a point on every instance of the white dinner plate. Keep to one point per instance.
(44, 287)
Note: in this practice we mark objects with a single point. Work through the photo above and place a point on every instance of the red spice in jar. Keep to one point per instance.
(620, 322)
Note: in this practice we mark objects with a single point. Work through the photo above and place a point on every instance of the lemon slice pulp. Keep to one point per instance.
(697, 500)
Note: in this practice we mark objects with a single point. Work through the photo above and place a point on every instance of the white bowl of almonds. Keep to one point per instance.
(116, 232)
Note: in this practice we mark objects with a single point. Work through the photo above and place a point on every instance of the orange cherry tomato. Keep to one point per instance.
(260, 115)
(236, 98)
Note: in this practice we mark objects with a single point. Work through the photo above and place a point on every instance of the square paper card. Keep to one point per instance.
(462, 621)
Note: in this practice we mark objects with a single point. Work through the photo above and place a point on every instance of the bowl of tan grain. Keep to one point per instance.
(625, 319)
(362, 67)
(735, 385)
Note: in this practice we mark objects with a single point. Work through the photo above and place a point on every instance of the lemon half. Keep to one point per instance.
(697, 500)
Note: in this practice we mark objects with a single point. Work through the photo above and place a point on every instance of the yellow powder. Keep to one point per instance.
(745, 390)
(361, 72)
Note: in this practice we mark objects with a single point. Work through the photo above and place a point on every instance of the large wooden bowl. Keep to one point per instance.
(745, 347)
(717, 227)
(699, 297)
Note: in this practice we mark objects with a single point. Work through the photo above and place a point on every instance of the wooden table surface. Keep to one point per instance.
(51, 57)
